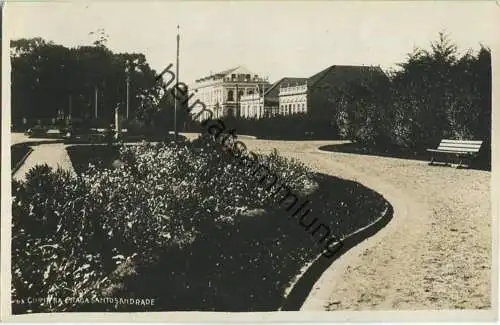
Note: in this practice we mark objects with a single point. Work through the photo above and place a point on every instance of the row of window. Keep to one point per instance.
(230, 94)
(286, 109)
(241, 76)
(251, 111)
(207, 97)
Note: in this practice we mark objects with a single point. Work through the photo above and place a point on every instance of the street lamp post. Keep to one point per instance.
(176, 131)
(95, 101)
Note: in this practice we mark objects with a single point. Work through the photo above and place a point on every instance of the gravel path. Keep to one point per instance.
(52, 154)
(435, 254)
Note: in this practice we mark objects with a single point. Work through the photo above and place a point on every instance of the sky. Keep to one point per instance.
(272, 38)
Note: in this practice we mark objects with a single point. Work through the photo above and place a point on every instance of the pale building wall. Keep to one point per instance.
(219, 95)
(252, 106)
(293, 100)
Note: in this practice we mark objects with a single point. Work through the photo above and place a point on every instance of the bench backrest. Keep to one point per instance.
(471, 146)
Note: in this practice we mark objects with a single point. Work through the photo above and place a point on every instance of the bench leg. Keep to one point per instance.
(461, 164)
(432, 161)
(450, 162)
(467, 161)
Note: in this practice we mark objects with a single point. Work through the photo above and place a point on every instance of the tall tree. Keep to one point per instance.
(49, 78)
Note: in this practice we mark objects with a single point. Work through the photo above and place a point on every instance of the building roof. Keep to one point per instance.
(344, 73)
(274, 89)
(239, 69)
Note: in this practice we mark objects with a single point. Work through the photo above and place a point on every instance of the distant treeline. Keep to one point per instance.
(50, 81)
(436, 94)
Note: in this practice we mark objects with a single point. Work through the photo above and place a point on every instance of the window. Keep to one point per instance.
(240, 93)
(233, 76)
(230, 95)
(250, 92)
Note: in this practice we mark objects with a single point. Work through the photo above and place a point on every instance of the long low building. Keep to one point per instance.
(318, 93)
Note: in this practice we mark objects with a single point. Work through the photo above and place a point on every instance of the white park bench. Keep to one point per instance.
(460, 149)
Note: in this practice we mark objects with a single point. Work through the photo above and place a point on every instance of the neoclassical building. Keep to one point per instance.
(222, 93)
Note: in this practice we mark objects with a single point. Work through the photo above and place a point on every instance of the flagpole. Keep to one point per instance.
(127, 81)
(176, 85)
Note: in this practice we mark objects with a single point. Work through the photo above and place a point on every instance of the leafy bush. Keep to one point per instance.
(54, 244)
(436, 94)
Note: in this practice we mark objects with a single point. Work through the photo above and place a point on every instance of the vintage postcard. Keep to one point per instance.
(249, 161)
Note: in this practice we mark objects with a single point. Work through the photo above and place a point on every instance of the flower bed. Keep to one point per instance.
(182, 223)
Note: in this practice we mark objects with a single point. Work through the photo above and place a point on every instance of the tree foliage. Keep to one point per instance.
(50, 80)
(437, 93)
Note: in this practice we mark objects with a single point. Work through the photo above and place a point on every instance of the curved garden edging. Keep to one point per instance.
(326, 283)
(303, 285)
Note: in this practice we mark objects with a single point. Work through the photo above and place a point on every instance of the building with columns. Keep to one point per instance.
(222, 92)
(293, 97)
(252, 105)
(267, 105)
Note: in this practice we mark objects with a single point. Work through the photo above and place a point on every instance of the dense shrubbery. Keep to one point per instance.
(70, 232)
(55, 240)
(435, 95)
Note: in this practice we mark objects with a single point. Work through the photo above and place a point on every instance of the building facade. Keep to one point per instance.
(222, 93)
(265, 103)
(252, 106)
(293, 99)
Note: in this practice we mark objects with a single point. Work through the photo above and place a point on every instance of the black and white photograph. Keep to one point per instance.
(232, 158)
